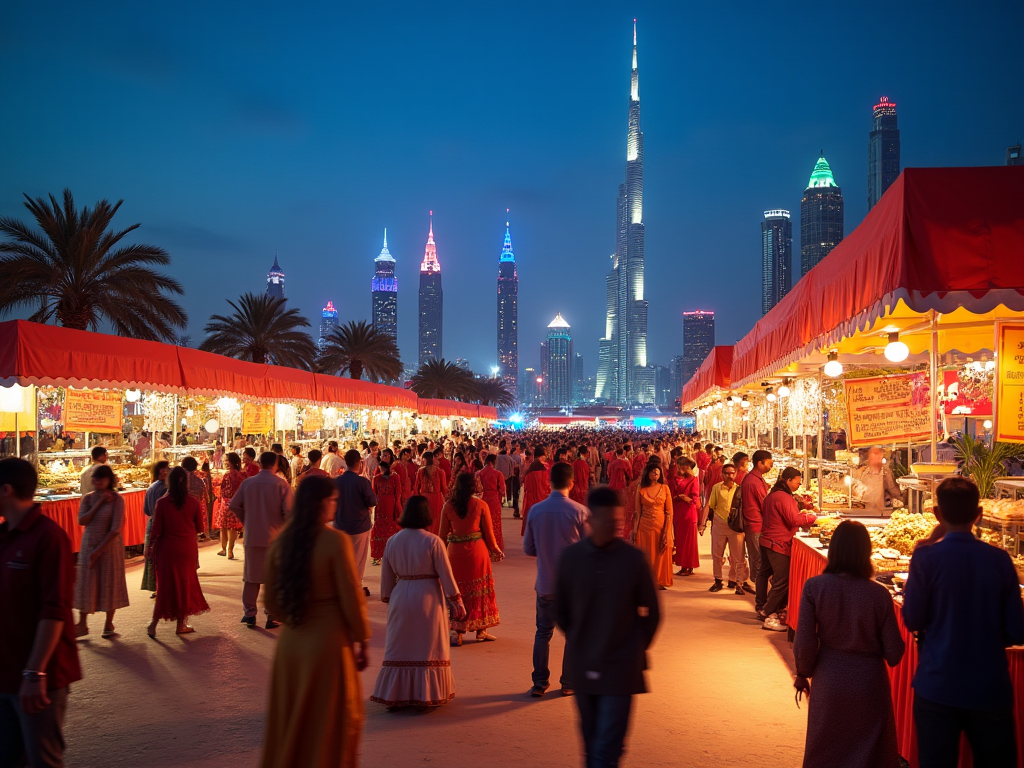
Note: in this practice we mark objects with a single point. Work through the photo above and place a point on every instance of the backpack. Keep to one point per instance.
(735, 519)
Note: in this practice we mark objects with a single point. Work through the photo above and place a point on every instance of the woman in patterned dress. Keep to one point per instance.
(432, 483)
(685, 489)
(466, 526)
(101, 586)
(388, 489)
(223, 517)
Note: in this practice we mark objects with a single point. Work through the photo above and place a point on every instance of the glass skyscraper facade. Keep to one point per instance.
(821, 216)
(776, 257)
(698, 339)
(883, 150)
(431, 302)
(557, 364)
(508, 316)
(384, 292)
(328, 322)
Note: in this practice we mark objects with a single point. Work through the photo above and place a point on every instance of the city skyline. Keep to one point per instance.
(247, 155)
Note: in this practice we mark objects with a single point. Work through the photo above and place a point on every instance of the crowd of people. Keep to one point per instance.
(610, 517)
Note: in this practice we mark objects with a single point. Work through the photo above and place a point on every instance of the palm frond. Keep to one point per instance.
(358, 347)
(261, 330)
(443, 380)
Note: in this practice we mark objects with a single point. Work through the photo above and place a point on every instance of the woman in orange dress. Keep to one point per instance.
(432, 483)
(388, 489)
(466, 526)
(223, 517)
(652, 528)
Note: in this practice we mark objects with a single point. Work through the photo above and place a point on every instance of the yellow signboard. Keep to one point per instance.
(257, 419)
(888, 409)
(1009, 385)
(312, 418)
(92, 410)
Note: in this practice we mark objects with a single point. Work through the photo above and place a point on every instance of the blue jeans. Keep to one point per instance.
(542, 640)
(604, 721)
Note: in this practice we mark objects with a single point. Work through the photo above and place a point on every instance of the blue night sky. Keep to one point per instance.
(232, 130)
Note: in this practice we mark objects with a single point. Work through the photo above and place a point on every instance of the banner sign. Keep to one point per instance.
(888, 409)
(257, 419)
(1009, 385)
(92, 410)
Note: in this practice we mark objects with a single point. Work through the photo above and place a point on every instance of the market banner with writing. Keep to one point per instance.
(1009, 386)
(312, 419)
(257, 419)
(92, 410)
(888, 409)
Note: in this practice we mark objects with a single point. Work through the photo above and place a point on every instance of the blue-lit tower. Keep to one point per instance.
(275, 280)
(328, 322)
(508, 315)
(384, 292)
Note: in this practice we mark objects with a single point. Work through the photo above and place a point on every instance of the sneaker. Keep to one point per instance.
(760, 615)
(538, 690)
(249, 621)
(731, 585)
(748, 589)
(271, 624)
(774, 624)
(716, 587)
(567, 691)
(739, 590)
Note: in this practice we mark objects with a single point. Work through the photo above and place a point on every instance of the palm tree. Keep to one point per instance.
(442, 380)
(261, 330)
(358, 347)
(492, 392)
(75, 271)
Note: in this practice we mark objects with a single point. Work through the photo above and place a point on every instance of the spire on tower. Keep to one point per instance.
(634, 93)
(430, 262)
(506, 249)
(385, 254)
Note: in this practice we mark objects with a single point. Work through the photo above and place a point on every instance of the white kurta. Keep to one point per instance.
(415, 579)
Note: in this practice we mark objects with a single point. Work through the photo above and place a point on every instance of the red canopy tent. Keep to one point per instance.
(715, 371)
(939, 239)
(445, 408)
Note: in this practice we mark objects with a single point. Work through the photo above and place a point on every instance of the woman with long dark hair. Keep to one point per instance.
(780, 519)
(432, 482)
(652, 527)
(177, 520)
(416, 580)
(846, 635)
(466, 526)
(315, 714)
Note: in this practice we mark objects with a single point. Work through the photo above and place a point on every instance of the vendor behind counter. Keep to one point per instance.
(880, 487)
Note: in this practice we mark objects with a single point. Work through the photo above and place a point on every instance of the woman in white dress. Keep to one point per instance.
(416, 582)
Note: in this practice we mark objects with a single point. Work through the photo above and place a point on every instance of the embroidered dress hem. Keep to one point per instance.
(414, 684)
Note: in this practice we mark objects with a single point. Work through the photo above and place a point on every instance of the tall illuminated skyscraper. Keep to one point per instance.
(384, 292)
(328, 322)
(275, 280)
(698, 339)
(776, 255)
(883, 150)
(556, 364)
(623, 350)
(431, 301)
(821, 216)
(508, 316)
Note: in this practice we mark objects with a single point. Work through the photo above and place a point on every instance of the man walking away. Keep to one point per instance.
(355, 500)
(38, 657)
(607, 605)
(516, 481)
(554, 524)
(262, 504)
(963, 600)
(331, 463)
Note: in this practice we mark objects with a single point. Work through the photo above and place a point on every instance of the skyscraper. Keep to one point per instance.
(508, 315)
(698, 339)
(579, 381)
(275, 280)
(384, 292)
(431, 301)
(776, 256)
(556, 364)
(883, 150)
(328, 322)
(1014, 156)
(623, 350)
(821, 216)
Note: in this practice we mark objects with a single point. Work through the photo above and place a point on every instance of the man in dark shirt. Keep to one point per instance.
(607, 605)
(355, 500)
(38, 657)
(963, 600)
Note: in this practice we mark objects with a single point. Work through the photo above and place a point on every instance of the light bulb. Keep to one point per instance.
(745, 403)
(896, 351)
(189, 413)
(133, 395)
(833, 367)
(771, 397)
(987, 424)
(783, 391)
(848, 480)
(990, 365)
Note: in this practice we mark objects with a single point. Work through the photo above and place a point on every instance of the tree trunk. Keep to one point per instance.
(355, 369)
(77, 319)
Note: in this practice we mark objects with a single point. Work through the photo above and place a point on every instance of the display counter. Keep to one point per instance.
(65, 512)
(807, 561)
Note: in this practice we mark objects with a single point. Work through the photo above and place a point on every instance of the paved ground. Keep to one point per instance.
(721, 690)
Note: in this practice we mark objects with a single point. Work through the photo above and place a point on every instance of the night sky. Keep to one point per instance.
(234, 130)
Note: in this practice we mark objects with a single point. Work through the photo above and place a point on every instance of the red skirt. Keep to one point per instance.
(224, 517)
(436, 503)
(384, 527)
(471, 565)
(684, 526)
(494, 505)
(178, 594)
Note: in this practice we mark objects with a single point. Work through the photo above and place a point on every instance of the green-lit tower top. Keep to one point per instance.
(822, 176)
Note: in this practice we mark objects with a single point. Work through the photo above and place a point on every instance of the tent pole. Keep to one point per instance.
(174, 424)
(934, 389)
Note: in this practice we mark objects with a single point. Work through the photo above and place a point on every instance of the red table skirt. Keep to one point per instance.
(65, 512)
(807, 562)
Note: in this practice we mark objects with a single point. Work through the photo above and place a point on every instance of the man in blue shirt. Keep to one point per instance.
(355, 501)
(963, 601)
(552, 525)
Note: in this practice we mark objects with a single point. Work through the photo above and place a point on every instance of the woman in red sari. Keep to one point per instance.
(466, 527)
(172, 546)
(685, 489)
(388, 489)
(223, 517)
(432, 483)
(492, 484)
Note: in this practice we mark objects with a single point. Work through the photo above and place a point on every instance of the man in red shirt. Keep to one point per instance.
(38, 657)
(493, 484)
(313, 470)
(249, 464)
(536, 483)
(620, 474)
(742, 463)
(752, 494)
(580, 476)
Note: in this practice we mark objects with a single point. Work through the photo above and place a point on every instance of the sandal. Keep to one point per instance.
(81, 631)
(151, 631)
(456, 642)
(108, 632)
(186, 630)
(222, 553)
(483, 637)
(231, 555)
